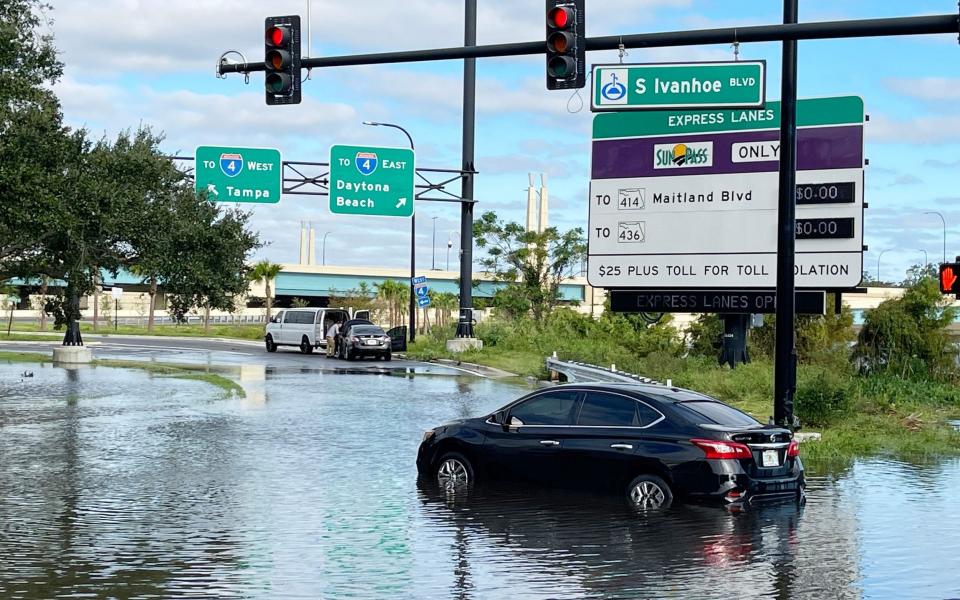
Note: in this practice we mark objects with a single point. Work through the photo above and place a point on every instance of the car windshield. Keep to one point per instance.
(367, 330)
(719, 413)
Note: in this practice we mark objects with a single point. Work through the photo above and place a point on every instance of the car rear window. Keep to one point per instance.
(719, 413)
(367, 330)
(607, 410)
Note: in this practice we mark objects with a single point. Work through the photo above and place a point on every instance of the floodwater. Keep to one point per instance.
(117, 484)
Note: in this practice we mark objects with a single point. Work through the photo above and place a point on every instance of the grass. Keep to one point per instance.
(878, 415)
(187, 372)
(241, 332)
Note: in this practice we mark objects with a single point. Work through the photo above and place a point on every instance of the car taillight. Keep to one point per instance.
(793, 450)
(716, 449)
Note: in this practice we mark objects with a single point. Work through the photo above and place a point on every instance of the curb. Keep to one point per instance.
(481, 370)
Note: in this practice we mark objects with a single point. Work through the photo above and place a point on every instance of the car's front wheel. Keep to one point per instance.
(271, 345)
(454, 471)
(649, 492)
(305, 346)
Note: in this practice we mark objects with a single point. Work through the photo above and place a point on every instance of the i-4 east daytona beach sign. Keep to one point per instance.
(688, 199)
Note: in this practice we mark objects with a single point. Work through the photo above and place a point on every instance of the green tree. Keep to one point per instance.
(32, 137)
(266, 272)
(393, 294)
(213, 257)
(530, 265)
(908, 335)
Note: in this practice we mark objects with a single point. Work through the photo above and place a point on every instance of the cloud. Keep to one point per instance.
(185, 35)
(926, 129)
(906, 179)
(926, 88)
(940, 164)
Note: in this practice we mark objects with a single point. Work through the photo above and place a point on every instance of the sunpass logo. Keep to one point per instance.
(691, 154)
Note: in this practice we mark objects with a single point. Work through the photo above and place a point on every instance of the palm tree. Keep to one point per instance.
(266, 272)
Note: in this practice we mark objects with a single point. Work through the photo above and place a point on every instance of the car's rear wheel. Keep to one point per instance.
(388, 356)
(649, 492)
(271, 345)
(454, 471)
(305, 346)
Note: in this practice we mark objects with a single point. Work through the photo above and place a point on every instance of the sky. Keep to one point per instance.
(145, 62)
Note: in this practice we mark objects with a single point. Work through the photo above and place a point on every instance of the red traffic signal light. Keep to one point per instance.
(566, 44)
(278, 36)
(281, 57)
(560, 17)
(950, 278)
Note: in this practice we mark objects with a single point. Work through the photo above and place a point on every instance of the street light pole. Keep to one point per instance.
(944, 221)
(433, 254)
(413, 239)
(926, 260)
(323, 252)
(878, 263)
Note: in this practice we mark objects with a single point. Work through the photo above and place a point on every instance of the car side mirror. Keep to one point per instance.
(515, 422)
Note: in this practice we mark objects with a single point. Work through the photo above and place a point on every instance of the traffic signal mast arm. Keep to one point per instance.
(930, 24)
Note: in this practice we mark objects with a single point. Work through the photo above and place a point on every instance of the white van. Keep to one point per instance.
(305, 328)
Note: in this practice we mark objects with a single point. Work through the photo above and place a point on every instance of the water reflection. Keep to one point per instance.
(561, 544)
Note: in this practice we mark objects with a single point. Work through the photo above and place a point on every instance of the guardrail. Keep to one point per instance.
(583, 372)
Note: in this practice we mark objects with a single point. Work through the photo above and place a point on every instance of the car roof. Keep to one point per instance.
(669, 394)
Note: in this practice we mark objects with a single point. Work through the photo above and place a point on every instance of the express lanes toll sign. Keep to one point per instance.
(372, 181)
(688, 199)
(237, 174)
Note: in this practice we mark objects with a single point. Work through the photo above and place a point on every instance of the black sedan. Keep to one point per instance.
(652, 443)
(364, 339)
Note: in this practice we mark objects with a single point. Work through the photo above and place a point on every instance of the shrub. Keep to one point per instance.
(823, 397)
(907, 336)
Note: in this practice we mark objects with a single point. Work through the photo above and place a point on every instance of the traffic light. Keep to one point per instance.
(950, 278)
(281, 55)
(566, 45)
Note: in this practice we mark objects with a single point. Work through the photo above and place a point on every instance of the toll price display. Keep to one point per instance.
(824, 229)
(826, 193)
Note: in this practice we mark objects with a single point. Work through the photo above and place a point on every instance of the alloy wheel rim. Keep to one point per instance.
(647, 494)
(452, 473)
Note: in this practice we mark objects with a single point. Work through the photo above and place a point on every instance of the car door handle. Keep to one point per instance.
(622, 446)
(550, 442)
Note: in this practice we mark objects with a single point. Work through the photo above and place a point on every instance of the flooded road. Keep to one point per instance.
(118, 484)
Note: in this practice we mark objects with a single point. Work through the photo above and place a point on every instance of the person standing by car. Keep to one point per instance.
(332, 338)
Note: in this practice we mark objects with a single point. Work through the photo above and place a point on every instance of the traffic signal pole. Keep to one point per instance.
(785, 361)
(465, 321)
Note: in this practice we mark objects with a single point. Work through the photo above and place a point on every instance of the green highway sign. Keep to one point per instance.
(367, 180)
(232, 174)
(736, 84)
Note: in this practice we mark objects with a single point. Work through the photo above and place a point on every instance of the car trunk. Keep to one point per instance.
(769, 447)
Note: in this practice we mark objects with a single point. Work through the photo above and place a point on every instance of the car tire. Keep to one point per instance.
(305, 347)
(271, 346)
(453, 471)
(649, 492)
(388, 356)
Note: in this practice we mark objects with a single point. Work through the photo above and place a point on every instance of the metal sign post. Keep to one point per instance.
(785, 354)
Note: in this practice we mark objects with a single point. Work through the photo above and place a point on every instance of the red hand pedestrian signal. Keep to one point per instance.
(948, 278)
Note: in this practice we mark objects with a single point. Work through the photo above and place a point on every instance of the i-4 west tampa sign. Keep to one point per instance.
(237, 174)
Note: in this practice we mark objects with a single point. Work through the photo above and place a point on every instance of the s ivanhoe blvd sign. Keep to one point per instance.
(739, 84)
(232, 174)
(367, 180)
